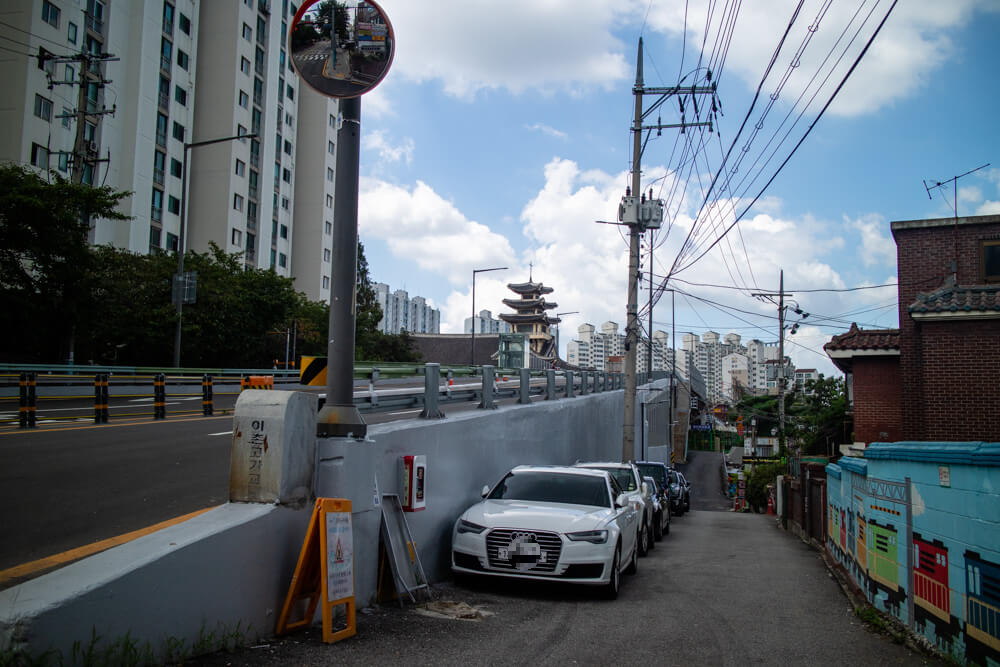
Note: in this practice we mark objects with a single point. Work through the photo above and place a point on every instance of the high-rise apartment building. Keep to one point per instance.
(108, 92)
(592, 349)
(401, 313)
(485, 323)
(730, 369)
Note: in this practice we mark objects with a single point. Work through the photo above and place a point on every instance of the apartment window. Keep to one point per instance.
(70, 74)
(172, 242)
(175, 167)
(43, 107)
(241, 167)
(333, 121)
(238, 202)
(286, 176)
(67, 117)
(330, 148)
(71, 32)
(180, 95)
(261, 30)
(237, 237)
(251, 242)
(245, 65)
(288, 119)
(184, 23)
(277, 144)
(168, 18)
(166, 53)
(240, 130)
(291, 92)
(182, 60)
(281, 54)
(156, 209)
(329, 174)
(284, 207)
(161, 129)
(255, 120)
(326, 254)
(174, 205)
(282, 260)
(327, 227)
(50, 13)
(159, 162)
(178, 131)
(164, 96)
(288, 147)
(39, 156)
(154, 238)
(63, 162)
(88, 173)
(258, 91)
(991, 261)
(326, 282)
(274, 255)
(247, 32)
(329, 201)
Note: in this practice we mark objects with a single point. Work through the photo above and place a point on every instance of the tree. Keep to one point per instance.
(367, 312)
(335, 12)
(44, 258)
(820, 414)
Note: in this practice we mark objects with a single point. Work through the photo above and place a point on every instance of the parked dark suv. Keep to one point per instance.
(660, 472)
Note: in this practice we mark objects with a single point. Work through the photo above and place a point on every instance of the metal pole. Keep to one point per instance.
(339, 417)
(632, 325)
(649, 351)
(673, 371)
(781, 361)
(472, 353)
(180, 259)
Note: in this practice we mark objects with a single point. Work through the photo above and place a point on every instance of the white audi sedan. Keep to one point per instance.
(550, 523)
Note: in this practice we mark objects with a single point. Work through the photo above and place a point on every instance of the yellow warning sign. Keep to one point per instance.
(322, 575)
(313, 371)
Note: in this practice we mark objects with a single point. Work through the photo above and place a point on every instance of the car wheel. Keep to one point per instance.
(633, 564)
(658, 527)
(666, 531)
(643, 541)
(614, 580)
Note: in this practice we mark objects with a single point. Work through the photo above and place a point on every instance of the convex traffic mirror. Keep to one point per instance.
(343, 48)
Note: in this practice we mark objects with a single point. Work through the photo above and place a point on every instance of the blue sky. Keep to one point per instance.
(501, 134)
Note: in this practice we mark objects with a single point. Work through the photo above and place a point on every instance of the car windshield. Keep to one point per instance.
(657, 472)
(673, 477)
(551, 487)
(624, 477)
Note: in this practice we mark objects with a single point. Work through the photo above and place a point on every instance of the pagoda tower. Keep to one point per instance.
(531, 318)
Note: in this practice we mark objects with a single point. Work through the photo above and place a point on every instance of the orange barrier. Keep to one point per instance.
(257, 382)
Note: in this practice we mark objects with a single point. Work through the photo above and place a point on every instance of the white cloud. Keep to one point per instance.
(989, 207)
(876, 247)
(419, 225)
(970, 194)
(545, 129)
(912, 44)
(388, 152)
(521, 45)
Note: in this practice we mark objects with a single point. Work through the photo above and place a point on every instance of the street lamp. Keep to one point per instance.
(472, 354)
(559, 315)
(180, 240)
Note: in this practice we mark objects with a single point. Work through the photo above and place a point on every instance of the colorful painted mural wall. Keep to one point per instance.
(917, 526)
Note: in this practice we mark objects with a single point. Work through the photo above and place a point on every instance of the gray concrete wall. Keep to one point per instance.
(230, 568)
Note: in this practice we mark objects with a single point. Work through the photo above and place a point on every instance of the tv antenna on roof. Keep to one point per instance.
(954, 181)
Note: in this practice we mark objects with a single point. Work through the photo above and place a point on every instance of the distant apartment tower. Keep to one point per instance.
(133, 82)
(731, 369)
(401, 313)
(592, 350)
(484, 323)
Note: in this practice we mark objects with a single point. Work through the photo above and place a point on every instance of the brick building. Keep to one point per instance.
(937, 377)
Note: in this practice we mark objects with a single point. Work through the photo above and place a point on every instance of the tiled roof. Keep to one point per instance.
(864, 339)
(957, 300)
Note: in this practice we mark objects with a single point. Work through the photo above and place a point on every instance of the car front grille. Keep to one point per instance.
(549, 543)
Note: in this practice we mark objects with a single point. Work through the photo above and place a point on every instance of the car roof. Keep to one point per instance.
(601, 464)
(569, 470)
(652, 463)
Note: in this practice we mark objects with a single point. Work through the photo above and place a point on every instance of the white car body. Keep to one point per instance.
(638, 493)
(536, 539)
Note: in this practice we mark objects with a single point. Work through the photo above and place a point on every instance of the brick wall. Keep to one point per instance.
(878, 409)
(949, 369)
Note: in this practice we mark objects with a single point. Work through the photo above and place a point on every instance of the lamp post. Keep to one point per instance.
(558, 315)
(472, 354)
(181, 236)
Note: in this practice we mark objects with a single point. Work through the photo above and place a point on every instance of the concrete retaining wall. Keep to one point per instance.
(230, 568)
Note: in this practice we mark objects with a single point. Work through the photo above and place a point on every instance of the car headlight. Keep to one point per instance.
(593, 536)
(469, 527)
(675, 488)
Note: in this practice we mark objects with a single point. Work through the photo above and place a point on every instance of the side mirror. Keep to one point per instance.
(485, 491)
(621, 501)
(645, 489)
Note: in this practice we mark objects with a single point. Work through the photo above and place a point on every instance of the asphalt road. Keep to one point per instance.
(722, 589)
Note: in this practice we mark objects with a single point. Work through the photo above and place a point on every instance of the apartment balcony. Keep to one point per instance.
(255, 160)
(158, 176)
(156, 214)
(164, 100)
(254, 191)
(94, 24)
(165, 63)
(264, 6)
(161, 138)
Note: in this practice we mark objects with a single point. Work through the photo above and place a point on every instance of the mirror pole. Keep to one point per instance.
(339, 417)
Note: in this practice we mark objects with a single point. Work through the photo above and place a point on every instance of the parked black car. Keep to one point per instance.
(661, 472)
(661, 508)
(685, 488)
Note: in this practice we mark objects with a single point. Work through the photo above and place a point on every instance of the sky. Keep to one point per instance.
(501, 135)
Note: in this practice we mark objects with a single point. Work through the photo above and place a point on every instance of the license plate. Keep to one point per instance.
(503, 553)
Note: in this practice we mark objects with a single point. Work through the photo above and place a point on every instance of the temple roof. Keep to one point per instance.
(529, 288)
(842, 348)
(978, 301)
(524, 304)
(528, 318)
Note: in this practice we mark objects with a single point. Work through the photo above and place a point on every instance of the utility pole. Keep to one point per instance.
(649, 350)
(781, 294)
(639, 214)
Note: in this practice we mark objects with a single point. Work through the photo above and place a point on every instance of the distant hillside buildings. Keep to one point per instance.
(485, 323)
(401, 313)
(599, 350)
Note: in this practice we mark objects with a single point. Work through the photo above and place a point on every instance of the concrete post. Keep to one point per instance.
(489, 377)
(525, 396)
(584, 383)
(569, 384)
(372, 379)
(550, 385)
(432, 386)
